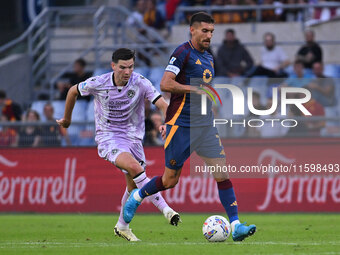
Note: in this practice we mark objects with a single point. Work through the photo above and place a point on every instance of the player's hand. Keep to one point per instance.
(64, 123)
(162, 130)
(200, 91)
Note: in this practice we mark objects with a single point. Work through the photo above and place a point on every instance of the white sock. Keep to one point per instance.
(166, 210)
(157, 199)
(233, 225)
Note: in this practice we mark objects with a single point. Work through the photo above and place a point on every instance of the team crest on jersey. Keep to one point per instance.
(207, 76)
(172, 60)
(131, 93)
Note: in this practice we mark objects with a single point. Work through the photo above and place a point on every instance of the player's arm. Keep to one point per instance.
(162, 105)
(71, 98)
(169, 84)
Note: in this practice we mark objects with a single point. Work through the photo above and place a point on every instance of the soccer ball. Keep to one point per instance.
(216, 229)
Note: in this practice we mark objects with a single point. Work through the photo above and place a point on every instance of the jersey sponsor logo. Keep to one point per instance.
(172, 60)
(207, 76)
(131, 93)
(198, 62)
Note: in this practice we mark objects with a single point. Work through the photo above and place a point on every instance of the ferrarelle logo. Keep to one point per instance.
(66, 189)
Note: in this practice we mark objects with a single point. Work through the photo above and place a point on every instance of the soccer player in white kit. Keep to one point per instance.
(120, 126)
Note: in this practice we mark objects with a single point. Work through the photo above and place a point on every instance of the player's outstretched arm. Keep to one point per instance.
(163, 106)
(169, 84)
(71, 98)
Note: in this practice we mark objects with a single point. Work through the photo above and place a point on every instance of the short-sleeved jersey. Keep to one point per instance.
(194, 68)
(119, 114)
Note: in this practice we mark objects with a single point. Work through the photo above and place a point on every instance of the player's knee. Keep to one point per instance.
(134, 168)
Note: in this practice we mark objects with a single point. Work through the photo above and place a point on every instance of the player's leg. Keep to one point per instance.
(130, 185)
(128, 162)
(177, 150)
(158, 183)
(141, 179)
(228, 199)
(122, 228)
(212, 152)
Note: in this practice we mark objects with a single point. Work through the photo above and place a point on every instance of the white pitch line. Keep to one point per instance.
(101, 244)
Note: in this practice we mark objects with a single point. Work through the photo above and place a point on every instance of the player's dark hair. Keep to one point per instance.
(123, 54)
(201, 17)
(230, 30)
(81, 62)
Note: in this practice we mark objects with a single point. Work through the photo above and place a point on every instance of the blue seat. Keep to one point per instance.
(145, 71)
(100, 71)
(155, 76)
(38, 106)
(331, 70)
(59, 107)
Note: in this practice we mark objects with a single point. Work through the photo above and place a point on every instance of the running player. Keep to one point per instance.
(119, 117)
(187, 130)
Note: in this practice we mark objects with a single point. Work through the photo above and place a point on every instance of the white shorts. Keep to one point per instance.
(110, 150)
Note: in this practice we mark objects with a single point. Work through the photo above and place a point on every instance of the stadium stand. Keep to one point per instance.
(60, 35)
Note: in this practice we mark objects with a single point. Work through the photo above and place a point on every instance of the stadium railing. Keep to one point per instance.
(305, 8)
(81, 133)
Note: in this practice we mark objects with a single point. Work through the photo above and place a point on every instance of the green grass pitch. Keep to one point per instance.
(92, 234)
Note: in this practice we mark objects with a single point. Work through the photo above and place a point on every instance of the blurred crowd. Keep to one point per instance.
(234, 65)
(161, 13)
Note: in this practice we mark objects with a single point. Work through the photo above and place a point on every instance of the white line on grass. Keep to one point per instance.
(15, 245)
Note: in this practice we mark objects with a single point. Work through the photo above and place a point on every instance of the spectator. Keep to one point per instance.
(311, 52)
(273, 59)
(274, 14)
(137, 17)
(78, 75)
(317, 110)
(301, 128)
(233, 58)
(157, 121)
(29, 136)
(153, 17)
(295, 14)
(227, 17)
(11, 110)
(299, 78)
(7, 134)
(52, 134)
(322, 88)
(148, 140)
(170, 7)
